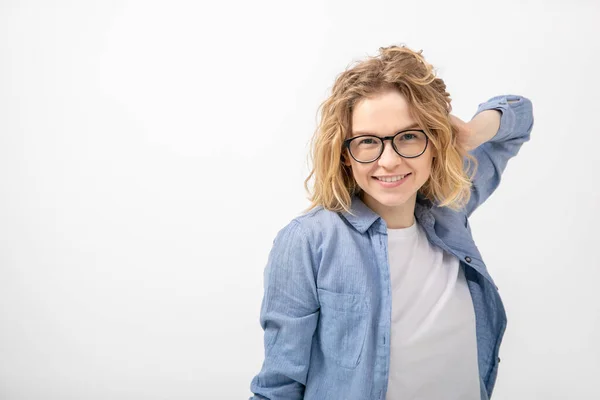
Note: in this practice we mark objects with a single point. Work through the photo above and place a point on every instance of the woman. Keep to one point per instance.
(378, 291)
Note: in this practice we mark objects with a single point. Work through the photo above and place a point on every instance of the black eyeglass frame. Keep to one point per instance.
(383, 139)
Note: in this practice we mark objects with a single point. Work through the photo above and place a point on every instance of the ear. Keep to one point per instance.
(345, 160)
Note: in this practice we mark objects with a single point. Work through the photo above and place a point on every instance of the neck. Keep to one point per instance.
(397, 216)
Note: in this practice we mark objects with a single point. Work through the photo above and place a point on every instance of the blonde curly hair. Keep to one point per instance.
(405, 70)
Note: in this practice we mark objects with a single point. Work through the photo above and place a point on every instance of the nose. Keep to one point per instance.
(389, 158)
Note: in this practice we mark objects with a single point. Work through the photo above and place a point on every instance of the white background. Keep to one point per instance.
(150, 151)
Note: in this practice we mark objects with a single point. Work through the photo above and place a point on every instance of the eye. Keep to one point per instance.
(366, 141)
(411, 136)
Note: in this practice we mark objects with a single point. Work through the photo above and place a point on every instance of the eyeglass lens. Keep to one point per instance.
(368, 148)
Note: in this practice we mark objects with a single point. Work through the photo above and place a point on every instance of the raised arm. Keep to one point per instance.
(288, 316)
(494, 145)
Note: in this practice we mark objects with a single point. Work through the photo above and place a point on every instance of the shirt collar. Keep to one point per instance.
(364, 217)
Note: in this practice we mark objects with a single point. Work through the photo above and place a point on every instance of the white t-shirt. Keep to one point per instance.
(433, 342)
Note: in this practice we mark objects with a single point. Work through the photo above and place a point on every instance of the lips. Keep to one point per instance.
(404, 176)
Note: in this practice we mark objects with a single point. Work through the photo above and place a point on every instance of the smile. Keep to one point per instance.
(391, 179)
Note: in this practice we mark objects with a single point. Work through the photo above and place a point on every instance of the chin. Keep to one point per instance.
(391, 199)
(396, 203)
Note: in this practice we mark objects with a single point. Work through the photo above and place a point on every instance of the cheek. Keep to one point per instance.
(360, 172)
(423, 168)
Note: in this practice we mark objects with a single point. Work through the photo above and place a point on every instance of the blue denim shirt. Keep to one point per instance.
(326, 310)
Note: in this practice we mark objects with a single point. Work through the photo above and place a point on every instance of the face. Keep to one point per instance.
(384, 115)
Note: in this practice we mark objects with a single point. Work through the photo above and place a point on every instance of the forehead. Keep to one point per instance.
(382, 114)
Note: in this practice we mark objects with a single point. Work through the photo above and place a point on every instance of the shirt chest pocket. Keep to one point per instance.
(342, 328)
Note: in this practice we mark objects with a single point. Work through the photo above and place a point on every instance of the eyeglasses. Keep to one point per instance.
(368, 148)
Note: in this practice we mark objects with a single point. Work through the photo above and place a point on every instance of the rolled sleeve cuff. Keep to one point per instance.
(516, 111)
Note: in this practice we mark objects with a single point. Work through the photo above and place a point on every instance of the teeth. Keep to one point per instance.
(392, 179)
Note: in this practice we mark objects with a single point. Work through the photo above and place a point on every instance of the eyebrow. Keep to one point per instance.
(361, 132)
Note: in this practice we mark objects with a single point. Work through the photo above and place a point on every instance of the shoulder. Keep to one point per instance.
(451, 220)
(304, 239)
(447, 213)
(316, 226)
(321, 220)
(452, 227)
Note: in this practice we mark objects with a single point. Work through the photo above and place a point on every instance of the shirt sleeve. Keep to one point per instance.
(289, 314)
(516, 124)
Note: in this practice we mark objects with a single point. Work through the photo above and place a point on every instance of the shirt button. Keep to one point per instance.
(468, 259)
(498, 360)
